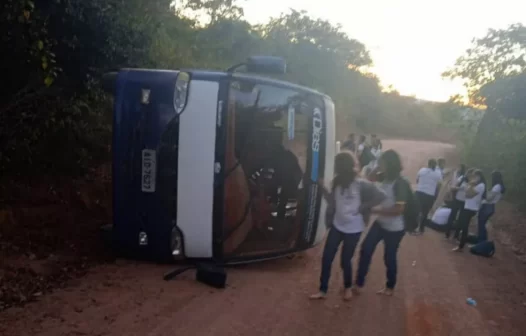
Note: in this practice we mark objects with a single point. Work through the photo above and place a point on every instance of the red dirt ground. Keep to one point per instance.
(270, 298)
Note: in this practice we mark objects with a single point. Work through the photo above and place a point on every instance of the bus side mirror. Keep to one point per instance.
(109, 82)
(266, 64)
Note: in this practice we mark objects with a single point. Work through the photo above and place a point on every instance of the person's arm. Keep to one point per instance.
(418, 175)
(458, 185)
(371, 195)
(373, 174)
(490, 196)
(401, 196)
(439, 185)
(360, 149)
(473, 190)
(324, 191)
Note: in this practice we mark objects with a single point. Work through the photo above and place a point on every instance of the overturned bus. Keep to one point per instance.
(218, 166)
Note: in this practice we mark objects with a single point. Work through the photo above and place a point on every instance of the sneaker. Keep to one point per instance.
(356, 290)
(318, 296)
(457, 249)
(385, 291)
(347, 294)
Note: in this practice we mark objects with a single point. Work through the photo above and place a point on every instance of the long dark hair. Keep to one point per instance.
(344, 169)
(482, 179)
(392, 163)
(432, 163)
(496, 178)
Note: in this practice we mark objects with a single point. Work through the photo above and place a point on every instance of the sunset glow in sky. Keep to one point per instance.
(411, 41)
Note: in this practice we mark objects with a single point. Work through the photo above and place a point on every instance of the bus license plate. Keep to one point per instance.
(148, 170)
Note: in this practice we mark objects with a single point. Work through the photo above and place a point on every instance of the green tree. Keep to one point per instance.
(501, 53)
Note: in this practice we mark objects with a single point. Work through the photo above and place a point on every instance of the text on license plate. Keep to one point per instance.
(149, 165)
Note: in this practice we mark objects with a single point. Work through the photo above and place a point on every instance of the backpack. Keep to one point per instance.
(366, 156)
(411, 211)
(484, 249)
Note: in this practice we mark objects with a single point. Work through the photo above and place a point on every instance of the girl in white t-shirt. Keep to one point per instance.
(428, 180)
(347, 223)
(488, 204)
(475, 193)
(458, 192)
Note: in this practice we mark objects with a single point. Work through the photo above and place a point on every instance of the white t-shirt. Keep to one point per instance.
(474, 202)
(428, 180)
(361, 147)
(377, 152)
(390, 223)
(347, 218)
(494, 196)
(441, 216)
(440, 171)
(461, 192)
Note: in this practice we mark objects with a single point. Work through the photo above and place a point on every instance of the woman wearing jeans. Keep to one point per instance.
(488, 205)
(459, 191)
(475, 193)
(350, 196)
(389, 226)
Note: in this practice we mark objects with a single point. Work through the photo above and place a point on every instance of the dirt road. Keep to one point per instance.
(271, 298)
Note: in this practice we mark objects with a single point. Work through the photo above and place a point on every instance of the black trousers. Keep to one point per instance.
(463, 225)
(456, 206)
(425, 202)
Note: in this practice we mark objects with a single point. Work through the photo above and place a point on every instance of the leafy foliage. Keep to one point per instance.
(499, 54)
(494, 71)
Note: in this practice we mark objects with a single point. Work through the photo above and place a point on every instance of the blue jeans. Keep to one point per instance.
(485, 213)
(334, 238)
(392, 241)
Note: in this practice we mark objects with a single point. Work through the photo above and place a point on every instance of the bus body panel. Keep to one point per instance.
(195, 190)
(143, 110)
(330, 138)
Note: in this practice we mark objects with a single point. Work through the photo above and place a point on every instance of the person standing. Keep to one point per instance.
(362, 142)
(388, 226)
(348, 201)
(459, 197)
(441, 166)
(428, 180)
(488, 205)
(376, 142)
(364, 154)
(376, 149)
(475, 193)
(350, 143)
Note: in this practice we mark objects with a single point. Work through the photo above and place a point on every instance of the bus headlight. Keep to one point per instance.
(181, 91)
(176, 243)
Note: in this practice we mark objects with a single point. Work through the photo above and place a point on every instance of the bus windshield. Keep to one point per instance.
(268, 150)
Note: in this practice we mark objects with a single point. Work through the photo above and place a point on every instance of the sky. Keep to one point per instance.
(411, 41)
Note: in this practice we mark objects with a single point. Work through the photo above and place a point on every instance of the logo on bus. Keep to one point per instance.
(317, 125)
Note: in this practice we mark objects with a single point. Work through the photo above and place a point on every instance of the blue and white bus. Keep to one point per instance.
(218, 165)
